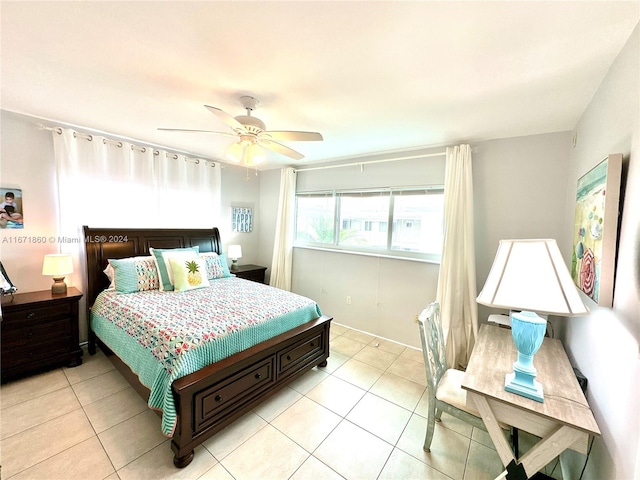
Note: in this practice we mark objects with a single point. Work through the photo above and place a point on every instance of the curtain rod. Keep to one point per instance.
(438, 154)
(120, 144)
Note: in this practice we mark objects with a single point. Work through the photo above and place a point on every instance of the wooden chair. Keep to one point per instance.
(445, 391)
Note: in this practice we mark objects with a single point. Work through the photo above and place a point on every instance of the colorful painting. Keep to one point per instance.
(595, 230)
(11, 213)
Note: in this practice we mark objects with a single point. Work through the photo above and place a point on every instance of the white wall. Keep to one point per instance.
(518, 185)
(605, 345)
(27, 162)
(240, 189)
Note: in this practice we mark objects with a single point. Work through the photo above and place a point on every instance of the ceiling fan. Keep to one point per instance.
(252, 135)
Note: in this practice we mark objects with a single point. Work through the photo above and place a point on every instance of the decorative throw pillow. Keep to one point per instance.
(111, 275)
(162, 256)
(216, 265)
(135, 274)
(188, 273)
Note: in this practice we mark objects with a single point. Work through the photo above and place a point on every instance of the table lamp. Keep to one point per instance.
(57, 265)
(234, 252)
(530, 276)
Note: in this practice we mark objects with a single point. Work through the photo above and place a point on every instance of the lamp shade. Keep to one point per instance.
(57, 265)
(530, 274)
(234, 252)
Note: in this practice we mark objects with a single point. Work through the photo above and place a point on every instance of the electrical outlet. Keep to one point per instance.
(348, 299)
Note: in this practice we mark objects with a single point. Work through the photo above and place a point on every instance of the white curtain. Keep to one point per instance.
(457, 280)
(283, 245)
(107, 183)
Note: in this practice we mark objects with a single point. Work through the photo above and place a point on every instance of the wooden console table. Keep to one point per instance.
(564, 420)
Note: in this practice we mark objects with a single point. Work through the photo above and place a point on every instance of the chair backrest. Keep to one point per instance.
(433, 348)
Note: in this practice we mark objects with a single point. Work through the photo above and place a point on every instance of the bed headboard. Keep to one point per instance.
(102, 244)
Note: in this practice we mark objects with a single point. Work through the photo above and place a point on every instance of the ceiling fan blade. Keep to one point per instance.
(226, 118)
(226, 134)
(281, 149)
(293, 136)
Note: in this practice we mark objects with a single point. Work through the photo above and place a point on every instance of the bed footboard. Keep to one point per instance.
(210, 399)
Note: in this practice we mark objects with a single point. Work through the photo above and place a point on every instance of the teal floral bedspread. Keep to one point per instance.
(163, 336)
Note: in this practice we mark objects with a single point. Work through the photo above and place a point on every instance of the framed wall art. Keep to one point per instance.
(11, 213)
(595, 232)
(241, 219)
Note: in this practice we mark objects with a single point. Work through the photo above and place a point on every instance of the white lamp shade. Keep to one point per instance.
(57, 265)
(234, 252)
(531, 275)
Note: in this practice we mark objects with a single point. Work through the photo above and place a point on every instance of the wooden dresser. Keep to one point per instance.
(39, 331)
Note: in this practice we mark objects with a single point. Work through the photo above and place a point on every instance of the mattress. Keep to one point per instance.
(163, 336)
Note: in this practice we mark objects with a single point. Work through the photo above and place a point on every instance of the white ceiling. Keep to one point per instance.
(370, 76)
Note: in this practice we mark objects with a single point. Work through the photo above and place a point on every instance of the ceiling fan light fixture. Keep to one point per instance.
(255, 155)
(235, 152)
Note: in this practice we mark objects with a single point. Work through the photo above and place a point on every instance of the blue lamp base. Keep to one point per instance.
(528, 331)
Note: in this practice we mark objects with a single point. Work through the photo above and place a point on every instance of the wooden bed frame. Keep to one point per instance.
(210, 399)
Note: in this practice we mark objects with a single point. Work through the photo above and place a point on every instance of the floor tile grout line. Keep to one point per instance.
(41, 423)
(37, 396)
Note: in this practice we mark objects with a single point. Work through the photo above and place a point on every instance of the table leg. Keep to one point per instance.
(537, 457)
(495, 432)
(549, 448)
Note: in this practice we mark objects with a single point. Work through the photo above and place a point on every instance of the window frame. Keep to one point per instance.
(388, 251)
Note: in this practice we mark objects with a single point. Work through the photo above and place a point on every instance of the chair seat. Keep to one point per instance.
(450, 391)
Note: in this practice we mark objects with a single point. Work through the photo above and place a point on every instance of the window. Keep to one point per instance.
(314, 218)
(394, 222)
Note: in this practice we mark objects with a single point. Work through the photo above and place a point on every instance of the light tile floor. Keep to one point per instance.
(361, 417)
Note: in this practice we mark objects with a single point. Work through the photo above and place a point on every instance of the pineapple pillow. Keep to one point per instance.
(162, 256)
(188, 273)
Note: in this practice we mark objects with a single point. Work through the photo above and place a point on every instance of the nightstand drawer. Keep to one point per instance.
(31, 352)
(30, 333)
(22, 316)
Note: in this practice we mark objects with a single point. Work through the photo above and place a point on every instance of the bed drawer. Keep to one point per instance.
(210, 404)
(300, 353)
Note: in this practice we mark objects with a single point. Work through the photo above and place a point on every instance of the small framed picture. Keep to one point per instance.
(11, 213)
(241, 219)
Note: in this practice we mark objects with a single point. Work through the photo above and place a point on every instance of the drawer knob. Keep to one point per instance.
(218, 398)
(312, 345)
(258, 376)
(30, 335)
(31, 315)
(288, 357)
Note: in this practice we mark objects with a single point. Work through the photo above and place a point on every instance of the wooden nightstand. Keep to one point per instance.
(39, 331)
(254, 273)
